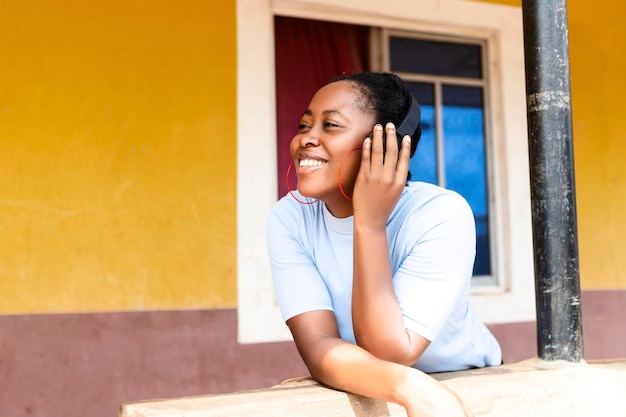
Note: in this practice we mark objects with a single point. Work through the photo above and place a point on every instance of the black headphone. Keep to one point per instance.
(409, 125)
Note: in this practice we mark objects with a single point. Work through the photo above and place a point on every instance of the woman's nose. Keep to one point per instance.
(310, 138)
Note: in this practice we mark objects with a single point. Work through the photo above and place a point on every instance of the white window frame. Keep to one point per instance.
(512, 300)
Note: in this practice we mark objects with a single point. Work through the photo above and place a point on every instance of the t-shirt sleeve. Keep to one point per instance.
(297, 282)
(436, 271)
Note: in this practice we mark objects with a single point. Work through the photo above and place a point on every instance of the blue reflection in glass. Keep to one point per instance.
(464, 154)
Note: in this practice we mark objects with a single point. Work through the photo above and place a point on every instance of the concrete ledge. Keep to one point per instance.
(529, 388)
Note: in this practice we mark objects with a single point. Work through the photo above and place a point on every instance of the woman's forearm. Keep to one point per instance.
(376, 315)
(350, 368)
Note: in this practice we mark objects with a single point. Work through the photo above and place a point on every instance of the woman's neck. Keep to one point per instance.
(340, 208)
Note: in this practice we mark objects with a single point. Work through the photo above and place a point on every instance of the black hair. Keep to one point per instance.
(386, 96)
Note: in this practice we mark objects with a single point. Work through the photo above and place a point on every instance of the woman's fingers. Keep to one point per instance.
(391, 156)
(377, 152)
(384, 156)
(404, 159)
(388, 161)
(366, 154)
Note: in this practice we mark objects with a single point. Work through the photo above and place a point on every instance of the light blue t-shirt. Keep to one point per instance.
(432, 241)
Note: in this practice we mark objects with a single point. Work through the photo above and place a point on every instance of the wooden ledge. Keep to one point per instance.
(529, 388)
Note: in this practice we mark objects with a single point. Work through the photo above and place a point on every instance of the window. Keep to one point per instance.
(492, 34)
(447, 75)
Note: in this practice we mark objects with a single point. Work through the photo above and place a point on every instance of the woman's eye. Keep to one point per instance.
(302, 127)
(330, 125)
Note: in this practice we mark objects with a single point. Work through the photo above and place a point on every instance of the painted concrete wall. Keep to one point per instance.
(117, 127)
(598, 85)
(596, 59)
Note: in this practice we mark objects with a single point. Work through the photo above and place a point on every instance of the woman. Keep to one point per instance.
(372, 272)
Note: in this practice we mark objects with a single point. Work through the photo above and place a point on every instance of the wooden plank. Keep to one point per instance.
(530, 388)
(300, 397)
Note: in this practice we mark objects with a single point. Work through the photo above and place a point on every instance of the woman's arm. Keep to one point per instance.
(377, 319)
(350, 368)
(376, 316)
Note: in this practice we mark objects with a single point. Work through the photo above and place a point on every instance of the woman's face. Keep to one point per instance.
(330, 128)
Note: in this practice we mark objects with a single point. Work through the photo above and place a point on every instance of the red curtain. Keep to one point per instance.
(310, 53)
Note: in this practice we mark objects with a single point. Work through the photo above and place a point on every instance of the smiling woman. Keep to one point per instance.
(373, 274)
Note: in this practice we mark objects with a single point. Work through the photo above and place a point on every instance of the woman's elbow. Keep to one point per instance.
(404, 351)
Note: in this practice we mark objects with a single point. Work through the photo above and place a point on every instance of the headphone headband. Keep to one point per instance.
(411, 120)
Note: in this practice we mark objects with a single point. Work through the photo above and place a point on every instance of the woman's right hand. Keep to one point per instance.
(382, 176)
(424, 396)
(348, 367)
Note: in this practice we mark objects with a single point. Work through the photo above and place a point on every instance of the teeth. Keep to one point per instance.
(311, 163)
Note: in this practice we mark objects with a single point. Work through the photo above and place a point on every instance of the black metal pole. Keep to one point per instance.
(553, 198)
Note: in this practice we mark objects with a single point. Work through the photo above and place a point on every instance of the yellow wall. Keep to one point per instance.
(118, 153)
(598, 57)
(597, 54)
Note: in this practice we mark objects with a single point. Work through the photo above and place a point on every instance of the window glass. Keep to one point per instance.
(435, 57)
(464, 156)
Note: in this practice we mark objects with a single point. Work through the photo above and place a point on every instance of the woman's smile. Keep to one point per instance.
(309, 160)
(311, 163)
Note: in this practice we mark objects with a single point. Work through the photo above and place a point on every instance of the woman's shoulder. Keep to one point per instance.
(425, 206)
(423, 194)
(289, 211)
